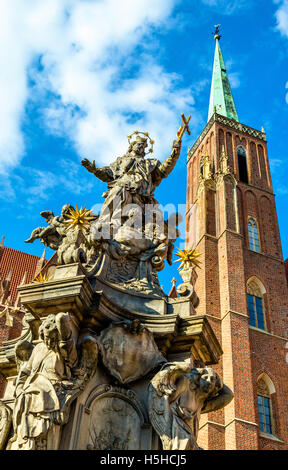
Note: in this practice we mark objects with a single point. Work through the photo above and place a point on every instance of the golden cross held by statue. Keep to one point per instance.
(184, 127)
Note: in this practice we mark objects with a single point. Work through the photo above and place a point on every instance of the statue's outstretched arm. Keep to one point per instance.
(46, 231)
(35, 234)
(104, 174)
(167, 166)
(216, 403)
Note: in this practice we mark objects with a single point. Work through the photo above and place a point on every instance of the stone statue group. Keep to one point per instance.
(130, 225)
(54, 372)
(59, 367)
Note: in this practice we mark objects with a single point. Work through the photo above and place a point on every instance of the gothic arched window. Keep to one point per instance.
(256, 309)
(265, 389)
(242, 164)
(253, 233)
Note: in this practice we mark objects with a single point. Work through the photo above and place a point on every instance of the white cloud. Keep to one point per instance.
(72, 179)
(13, 90)
(67, 176)
(228, 7)
(275, 163)
(40, 184)
(100, 86)
(7, 190)
(234, 79)
(282, 190)
(150, 101)
(282, 17)
(282, 22)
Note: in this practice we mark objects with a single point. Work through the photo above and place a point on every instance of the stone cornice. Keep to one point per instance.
(212, 237)
(271, 437)
(251, 423)
(245, 315)
(265, 332)
(274, 258)
(231, 124)
(238, 235)
(225, 315)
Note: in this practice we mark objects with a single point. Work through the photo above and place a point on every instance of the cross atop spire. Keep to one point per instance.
(216, 34)
(221, 99)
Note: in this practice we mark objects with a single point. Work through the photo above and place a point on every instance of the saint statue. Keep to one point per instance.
(131, 179)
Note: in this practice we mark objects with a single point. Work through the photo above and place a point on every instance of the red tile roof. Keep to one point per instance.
(20, 263)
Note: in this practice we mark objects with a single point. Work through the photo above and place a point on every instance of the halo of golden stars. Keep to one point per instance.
(188, 258)
(152, 142)
(79, 218)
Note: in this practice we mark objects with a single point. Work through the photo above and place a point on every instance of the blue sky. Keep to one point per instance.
(78, 76)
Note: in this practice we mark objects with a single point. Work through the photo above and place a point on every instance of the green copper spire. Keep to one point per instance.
(221, 94)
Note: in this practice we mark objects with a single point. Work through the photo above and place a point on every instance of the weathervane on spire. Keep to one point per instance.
(217, 34)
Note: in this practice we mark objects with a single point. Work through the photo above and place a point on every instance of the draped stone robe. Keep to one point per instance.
(36, 392)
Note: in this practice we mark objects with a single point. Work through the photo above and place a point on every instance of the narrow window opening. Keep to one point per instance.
(242, 165)
(254, 243)
(256, 314)
(265, 408)
(256, 309)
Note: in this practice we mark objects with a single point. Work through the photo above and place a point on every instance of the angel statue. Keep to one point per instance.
(52, 235)
(72, 246)
(177, 397)
(51, 375)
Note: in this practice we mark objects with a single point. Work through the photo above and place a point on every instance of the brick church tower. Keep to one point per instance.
(232, 220)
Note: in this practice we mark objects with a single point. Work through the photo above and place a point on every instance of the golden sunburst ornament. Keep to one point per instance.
(79, 218)
(188, 258)
(41, 278)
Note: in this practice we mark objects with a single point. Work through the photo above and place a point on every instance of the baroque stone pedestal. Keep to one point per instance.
(122, 344)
